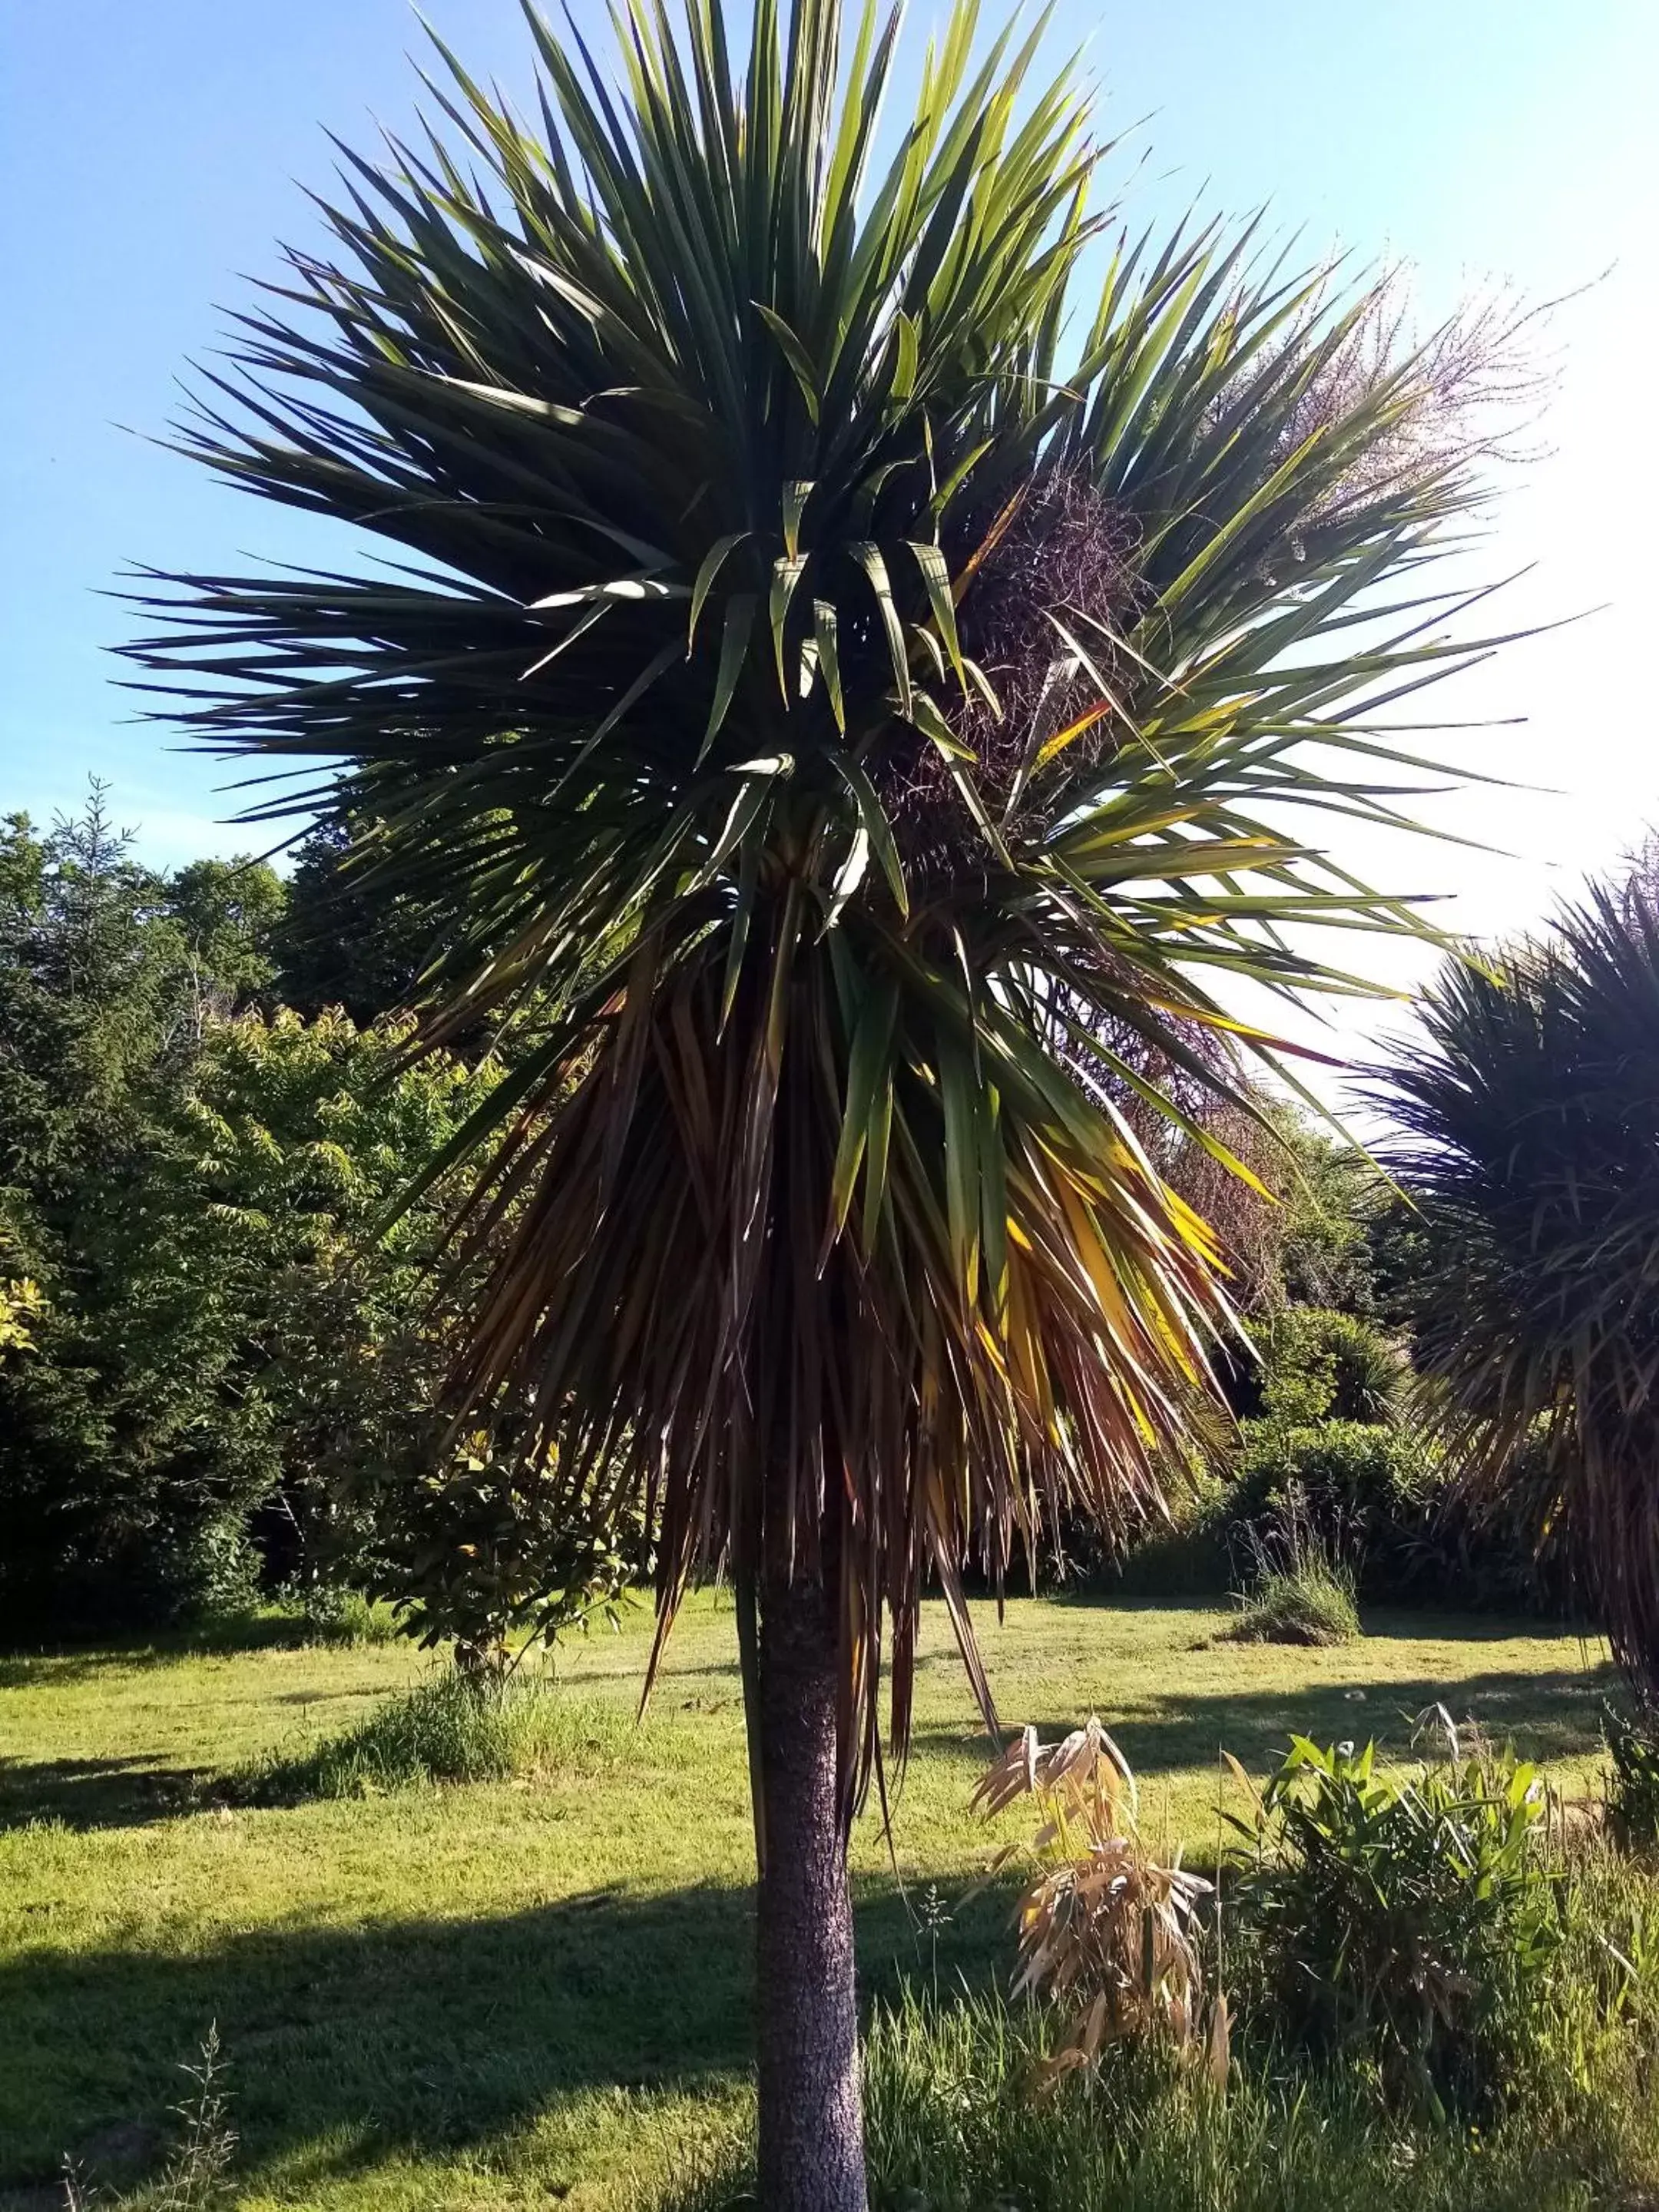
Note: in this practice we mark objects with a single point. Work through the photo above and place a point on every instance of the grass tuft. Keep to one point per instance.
(454, 1728)
(1301, 1593)
(348, 1618)
(1312, 1605)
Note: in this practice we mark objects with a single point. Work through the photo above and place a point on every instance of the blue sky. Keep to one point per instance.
(152, 155)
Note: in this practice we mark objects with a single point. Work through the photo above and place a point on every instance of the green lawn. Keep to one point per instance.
(506, 1997)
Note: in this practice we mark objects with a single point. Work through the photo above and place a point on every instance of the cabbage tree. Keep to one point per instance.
(876, 647)
(1527, 1113)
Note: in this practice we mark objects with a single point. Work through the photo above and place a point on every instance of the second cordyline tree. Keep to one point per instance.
(866, 708)
(1527, 1108)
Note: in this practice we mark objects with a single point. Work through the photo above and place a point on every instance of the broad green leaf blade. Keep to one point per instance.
(734, 644)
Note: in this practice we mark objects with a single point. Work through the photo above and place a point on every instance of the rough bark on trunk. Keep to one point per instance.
(811, 2121)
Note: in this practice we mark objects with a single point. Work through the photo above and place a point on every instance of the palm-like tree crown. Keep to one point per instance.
(1529, 1113)
(868, 706)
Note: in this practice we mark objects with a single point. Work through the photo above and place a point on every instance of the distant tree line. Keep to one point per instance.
(202, 1110)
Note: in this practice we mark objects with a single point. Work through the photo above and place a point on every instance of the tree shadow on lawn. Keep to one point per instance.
(95, 1793)
(421, 2035)
(1551, 1715)
(1411, 1624)
(61, 1665)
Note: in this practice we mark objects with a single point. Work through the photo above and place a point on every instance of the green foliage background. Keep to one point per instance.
(188, 1174)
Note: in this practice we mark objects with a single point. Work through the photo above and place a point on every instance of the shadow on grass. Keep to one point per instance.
(413, 2036)
(65, 1664)
(95, 1793)
(1555, 1714)
(1411, 1624)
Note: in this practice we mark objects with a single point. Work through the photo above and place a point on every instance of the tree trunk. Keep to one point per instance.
(811, 2121)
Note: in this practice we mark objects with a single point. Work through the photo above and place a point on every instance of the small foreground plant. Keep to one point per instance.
(1107, 1931)
(195, 2176)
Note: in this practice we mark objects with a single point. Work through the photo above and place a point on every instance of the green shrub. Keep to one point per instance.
(209, 1571)
(1411, 1917)
(1369, 1493)
(1318, 1365)
(1362, 1486)
(337, 1614)
(1633, 1787)
(453, 1728)
(1382, 1495)
(1379, 1496)
(484, 1553)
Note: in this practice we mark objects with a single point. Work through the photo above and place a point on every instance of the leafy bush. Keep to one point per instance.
(1329, 1426)
(1409, 1915)
(1188, 1560)
(1300, 1592)
(483, 1551)
(1383, 1498)
(452, 1728)
(1321, 1366)
(20, 1305)
(121, 1448)
(1632, 1788)
(1364, 1487)
(212, 1327)
(1323, 1421)
(334, 1612)
(1370, 1494)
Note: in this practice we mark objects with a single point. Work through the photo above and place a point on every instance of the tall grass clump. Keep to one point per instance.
(454, 1727)
(1299, 1591)
(344, 1617)
(954, 2126)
